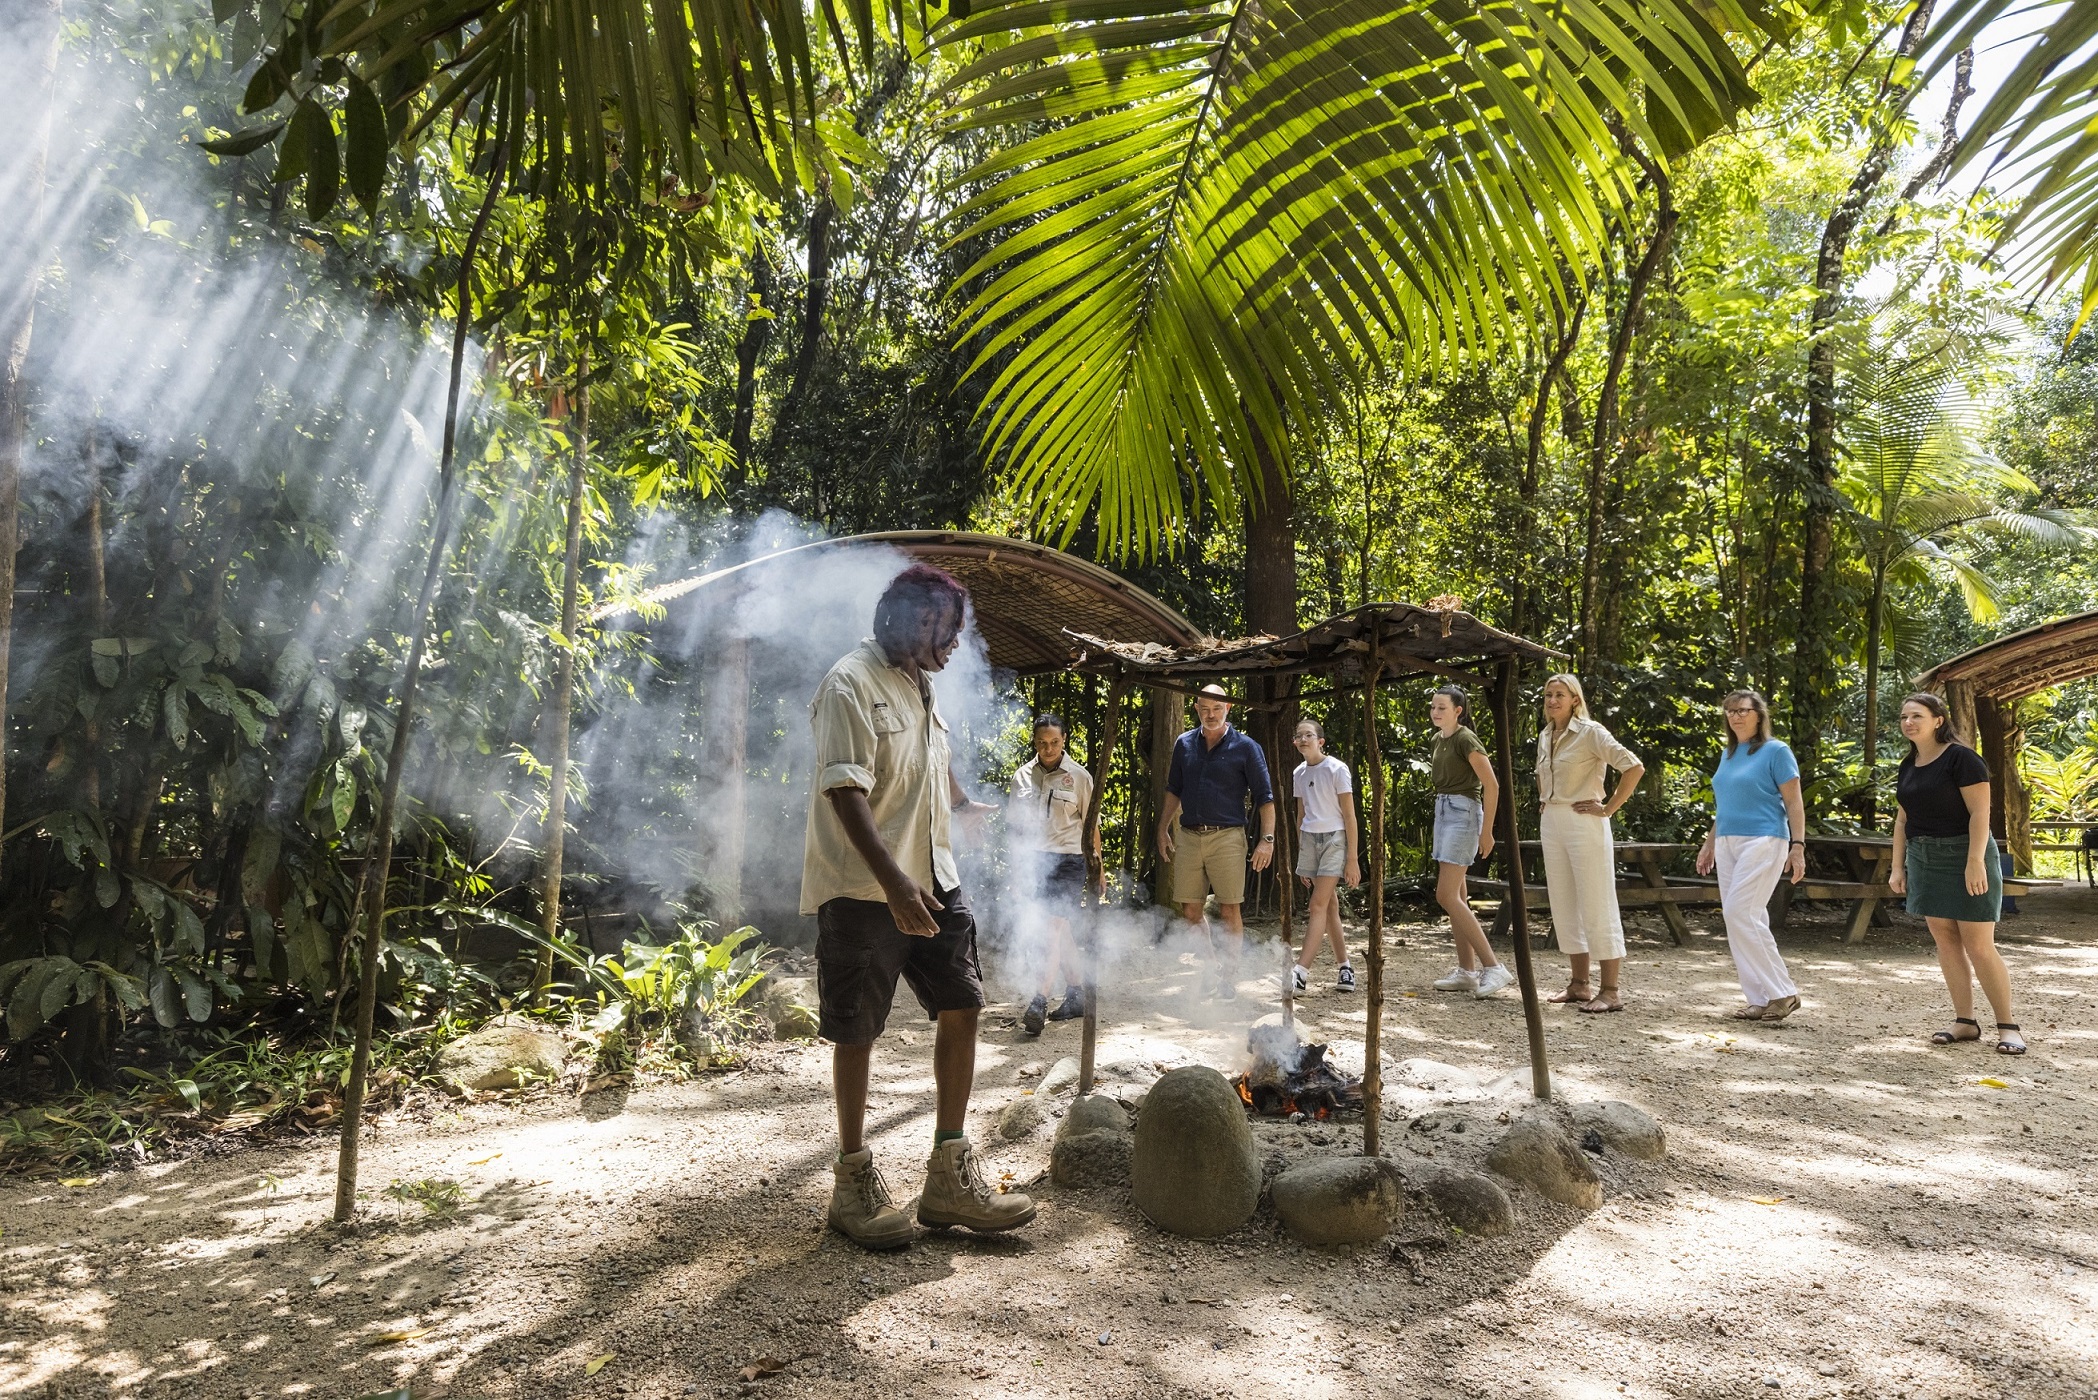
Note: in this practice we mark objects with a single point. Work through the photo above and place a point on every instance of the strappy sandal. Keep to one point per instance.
(2004, 1047)
(1749, 1013)
(1596, 1007)
(1954, 1037)
(1568, 997)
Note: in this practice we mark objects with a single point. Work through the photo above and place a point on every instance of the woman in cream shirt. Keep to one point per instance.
(1580, 867)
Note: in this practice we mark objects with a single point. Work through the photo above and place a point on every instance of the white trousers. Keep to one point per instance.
(1749, 869)
(1580, 875)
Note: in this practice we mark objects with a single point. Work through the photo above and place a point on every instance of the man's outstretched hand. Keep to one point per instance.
(912, 906)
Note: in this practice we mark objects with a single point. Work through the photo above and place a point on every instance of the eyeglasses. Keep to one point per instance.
(1740, 710)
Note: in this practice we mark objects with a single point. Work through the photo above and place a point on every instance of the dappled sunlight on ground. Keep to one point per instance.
(1844, 1210)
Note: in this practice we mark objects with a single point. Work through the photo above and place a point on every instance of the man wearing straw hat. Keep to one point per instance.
(1202, 832)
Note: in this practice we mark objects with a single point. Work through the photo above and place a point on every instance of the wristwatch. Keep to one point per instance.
(1268, 840)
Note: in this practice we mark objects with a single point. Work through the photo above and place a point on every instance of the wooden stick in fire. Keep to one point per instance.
(1373, 1024)
(1089, 932)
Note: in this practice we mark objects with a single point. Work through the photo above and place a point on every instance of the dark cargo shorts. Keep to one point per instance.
(860, 953)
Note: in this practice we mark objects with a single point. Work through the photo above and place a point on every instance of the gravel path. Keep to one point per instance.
(1844, 1211)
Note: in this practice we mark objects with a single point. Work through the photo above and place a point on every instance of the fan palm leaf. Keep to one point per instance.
(672, 92)
(2040, 129)
(1211, 213)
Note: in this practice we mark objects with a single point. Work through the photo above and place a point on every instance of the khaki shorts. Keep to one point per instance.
(1209, 862)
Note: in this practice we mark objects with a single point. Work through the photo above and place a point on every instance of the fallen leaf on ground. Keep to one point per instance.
(387, 1339)
(322, 1280)
(763, 1366)
(77, 1181)
(597, 1363)
(1768, 1200)
(1994, 1084)
(484, 1161)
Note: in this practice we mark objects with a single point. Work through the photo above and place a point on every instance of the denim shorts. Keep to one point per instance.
(1458, 822)
(1322, 853)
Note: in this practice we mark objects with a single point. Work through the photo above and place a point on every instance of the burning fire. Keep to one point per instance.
(1287, 1078)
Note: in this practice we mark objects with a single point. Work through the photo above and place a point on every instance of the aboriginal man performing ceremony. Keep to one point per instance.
(879, 875)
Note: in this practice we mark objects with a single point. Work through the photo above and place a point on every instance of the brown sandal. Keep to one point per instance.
(1596, 1006)
(1568, 996)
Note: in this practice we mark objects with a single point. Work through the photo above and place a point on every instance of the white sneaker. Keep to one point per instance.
(1492, 980)
(1297, 980)
(1457, 979)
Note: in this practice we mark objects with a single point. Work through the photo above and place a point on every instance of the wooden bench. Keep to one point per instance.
(1668, 898)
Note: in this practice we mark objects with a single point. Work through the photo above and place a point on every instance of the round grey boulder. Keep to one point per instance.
(1091, 1159)
(1473, 1203)
(1623, 1128)
(1019, 1119)
(1093, 1113)
(1061, 1076)
(502, 1055)
(1194, 1171)
(1537, 1152)
(1340, 1200)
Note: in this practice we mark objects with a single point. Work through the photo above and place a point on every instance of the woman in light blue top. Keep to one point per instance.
(1758, 834)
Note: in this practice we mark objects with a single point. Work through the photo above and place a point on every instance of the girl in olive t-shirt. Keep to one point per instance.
(1466, 794)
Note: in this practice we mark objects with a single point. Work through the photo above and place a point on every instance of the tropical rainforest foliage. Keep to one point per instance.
(1678, 336)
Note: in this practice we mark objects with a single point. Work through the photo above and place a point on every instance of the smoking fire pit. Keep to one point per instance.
(1290, 1079)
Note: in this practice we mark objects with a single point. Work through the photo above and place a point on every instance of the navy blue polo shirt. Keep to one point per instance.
(1212, 783)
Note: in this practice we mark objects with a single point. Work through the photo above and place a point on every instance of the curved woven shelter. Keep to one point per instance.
(1028, 597)
(1983, 687)
(2024, 663)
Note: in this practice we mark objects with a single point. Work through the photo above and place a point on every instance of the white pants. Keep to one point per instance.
(1749, 869)
(1580, 875)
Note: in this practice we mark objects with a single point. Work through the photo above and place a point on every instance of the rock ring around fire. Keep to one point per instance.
(1194, 1171)
(1340, 1200)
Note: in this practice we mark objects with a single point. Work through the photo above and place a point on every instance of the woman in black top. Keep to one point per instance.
(1945, 862)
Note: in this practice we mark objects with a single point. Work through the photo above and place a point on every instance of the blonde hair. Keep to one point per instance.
(1573, 686)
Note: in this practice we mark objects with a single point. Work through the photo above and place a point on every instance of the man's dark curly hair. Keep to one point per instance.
(918, 590)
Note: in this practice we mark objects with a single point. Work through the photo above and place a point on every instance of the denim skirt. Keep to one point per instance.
(1458, 822)
(1937, 871)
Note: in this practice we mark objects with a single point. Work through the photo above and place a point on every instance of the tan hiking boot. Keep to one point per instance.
(957, 1195)
(860, 1206)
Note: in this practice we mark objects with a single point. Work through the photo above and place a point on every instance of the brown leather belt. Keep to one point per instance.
(1206, 829)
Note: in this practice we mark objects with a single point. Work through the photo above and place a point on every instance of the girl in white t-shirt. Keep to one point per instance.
(1325, 849)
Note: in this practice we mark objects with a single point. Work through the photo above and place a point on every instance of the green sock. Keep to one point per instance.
(940, 1135)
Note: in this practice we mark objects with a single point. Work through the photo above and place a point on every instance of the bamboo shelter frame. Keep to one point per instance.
(1359, 650)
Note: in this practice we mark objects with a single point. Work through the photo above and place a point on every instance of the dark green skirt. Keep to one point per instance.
(1937, 870)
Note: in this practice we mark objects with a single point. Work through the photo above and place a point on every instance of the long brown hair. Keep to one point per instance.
(1947, 733)
(1762, 709)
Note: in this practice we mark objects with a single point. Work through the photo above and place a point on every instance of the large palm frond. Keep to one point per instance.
(2040, 129)
(664, 90)
(1214, 210)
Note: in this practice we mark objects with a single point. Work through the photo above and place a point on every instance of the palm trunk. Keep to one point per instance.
(372, 896)
(1604, 429)
(17, 317)
(1871, 729)
(563, 700)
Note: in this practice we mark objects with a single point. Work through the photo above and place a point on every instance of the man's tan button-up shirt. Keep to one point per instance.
(880, 732)
(1570, 768)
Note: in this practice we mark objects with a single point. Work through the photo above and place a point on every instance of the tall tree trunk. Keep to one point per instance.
(815, 297)
(1270, 605)
(1603, 431)
(372, 895)
(1811, 650)
(562, 702)
(757, 333)
(17, 318)
(727, 734)
(1533, 464)
(1873, 634)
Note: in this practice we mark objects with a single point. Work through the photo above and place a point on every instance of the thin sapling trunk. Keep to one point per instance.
(563, 698)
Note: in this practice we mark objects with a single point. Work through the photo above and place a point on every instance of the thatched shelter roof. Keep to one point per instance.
(1027, 597)
(1436, 640)
(2013, 667)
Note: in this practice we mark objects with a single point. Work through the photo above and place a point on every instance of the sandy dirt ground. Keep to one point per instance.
(1844, 1211)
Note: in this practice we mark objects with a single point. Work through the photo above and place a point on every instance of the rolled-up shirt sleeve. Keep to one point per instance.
(844, 740)
(1614, 752)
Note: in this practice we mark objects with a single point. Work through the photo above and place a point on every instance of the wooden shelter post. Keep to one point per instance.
(1089, 931)
(1510, 837)
(1283, 866)
(1373, 1020)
